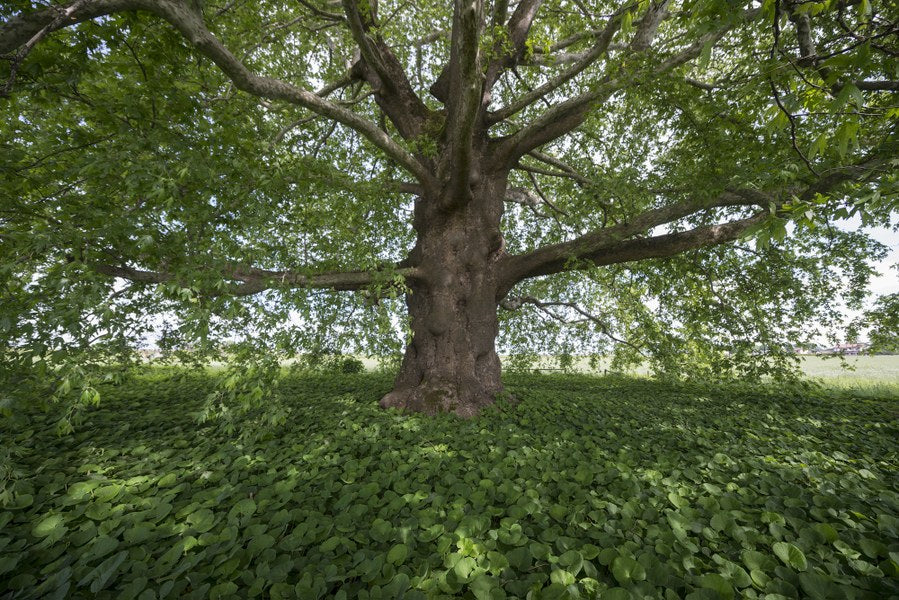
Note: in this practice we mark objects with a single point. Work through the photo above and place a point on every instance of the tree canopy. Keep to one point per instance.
(655, 180)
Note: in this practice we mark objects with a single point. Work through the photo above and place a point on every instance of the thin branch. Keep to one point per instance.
(543, 197)
(516, 302)
(700, 84)
(598, 49)
(318, 12)
(561, 165)
(792, 121)
(525, 198)
(568, 115)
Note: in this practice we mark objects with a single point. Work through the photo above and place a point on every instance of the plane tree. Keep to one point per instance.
(282, 175)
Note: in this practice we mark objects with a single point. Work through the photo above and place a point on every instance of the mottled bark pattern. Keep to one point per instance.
(451, 364)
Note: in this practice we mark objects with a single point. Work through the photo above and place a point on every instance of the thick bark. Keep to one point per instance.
(451, 364)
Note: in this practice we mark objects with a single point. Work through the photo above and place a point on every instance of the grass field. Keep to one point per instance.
(851, 371)
(863, 369)
(590, 487)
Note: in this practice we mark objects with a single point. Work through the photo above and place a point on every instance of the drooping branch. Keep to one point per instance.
(189, 22)
(516, 302)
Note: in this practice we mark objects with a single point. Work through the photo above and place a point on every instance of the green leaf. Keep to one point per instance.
(616, 593)
(106, 571)
(381, 531)
(790, 555)
(561, 577)
(102, 545)
(463, 567)
(705, 56)
(138, 533)
(483, 587)
(713, 581)
(201, 520)
(872, 548)
(222, 590)
(397, 554)
(260, 543)
(244, 508)
(133, 589)
(815, 585)
(53, 525)
(167, 480)
(626, 569)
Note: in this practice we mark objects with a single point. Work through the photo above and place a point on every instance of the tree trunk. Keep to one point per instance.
(451, 364)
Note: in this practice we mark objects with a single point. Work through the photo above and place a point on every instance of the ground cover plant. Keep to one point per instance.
(589, 487)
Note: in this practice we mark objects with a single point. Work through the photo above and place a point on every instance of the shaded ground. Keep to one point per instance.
(590, 487)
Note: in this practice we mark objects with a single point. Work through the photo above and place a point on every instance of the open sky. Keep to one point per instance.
(887, 281)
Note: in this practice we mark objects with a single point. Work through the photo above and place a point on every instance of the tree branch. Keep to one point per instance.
(612, 245)
(464, 100)
(327, 16)
(518, 27)
(562, 166)
(16, 31)
(253, 281)
(556, 257)
(660, 246)
(568, 115)
(381, 69)
(649, 25)
(598, 49)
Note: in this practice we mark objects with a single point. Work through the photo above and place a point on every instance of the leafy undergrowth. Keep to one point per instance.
(609, 488)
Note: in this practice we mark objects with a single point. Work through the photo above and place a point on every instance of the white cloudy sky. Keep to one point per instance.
(887, 280)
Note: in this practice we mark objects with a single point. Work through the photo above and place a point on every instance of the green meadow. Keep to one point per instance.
(589, 487)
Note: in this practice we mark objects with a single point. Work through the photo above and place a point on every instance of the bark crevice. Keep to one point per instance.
(451, 364)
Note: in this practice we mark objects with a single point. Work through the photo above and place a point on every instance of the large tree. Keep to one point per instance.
(238, 158)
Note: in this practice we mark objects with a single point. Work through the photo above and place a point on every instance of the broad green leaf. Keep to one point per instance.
(716, 582)
(790, 555)
(52, 525)
(397, 554)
